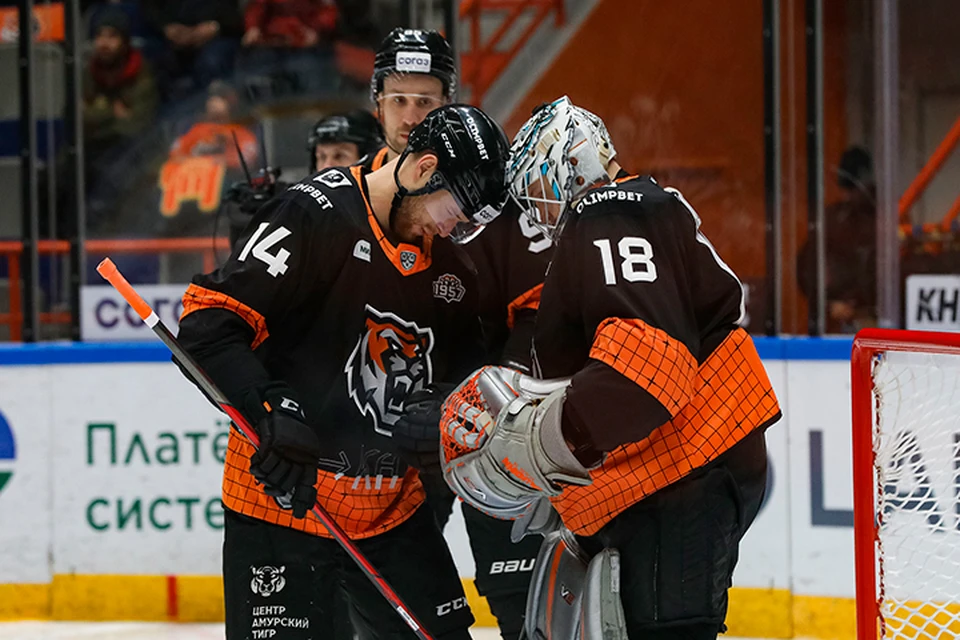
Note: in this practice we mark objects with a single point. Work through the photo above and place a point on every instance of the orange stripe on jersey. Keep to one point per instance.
(527, 300)
(197, 298)
(733, 397)
(649, 357)
(380, 159)
(407, 258)
(363, 507)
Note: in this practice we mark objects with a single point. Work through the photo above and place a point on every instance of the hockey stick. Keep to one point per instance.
(111, 274)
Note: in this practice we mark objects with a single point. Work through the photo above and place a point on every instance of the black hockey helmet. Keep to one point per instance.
(358, 126)
(472, 153)
(415, 51)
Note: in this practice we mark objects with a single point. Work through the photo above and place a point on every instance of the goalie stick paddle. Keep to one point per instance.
(111, 274)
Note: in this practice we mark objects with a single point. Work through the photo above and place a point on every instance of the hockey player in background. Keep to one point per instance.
(336, 305)
(656, 447)
(414, 73)
(342, 139)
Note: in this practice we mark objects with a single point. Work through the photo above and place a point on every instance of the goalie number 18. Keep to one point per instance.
(637, 264)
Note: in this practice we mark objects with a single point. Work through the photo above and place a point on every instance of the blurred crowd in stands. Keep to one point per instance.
(165, 82)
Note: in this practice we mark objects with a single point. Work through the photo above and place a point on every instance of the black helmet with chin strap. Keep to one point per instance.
(472, 153)
(415, 51)
(358, 126)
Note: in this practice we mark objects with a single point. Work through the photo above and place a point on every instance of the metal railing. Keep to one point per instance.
(11, 250)
(483, 62)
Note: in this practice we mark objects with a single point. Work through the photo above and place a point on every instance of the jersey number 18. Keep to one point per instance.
(637, 264)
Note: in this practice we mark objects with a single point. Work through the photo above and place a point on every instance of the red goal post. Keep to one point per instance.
(906, 483)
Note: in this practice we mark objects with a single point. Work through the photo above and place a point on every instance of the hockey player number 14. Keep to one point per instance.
(637, 265)
(276, 262)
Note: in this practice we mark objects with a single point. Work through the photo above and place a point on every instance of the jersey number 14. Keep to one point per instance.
(637, 260)
(276, 262)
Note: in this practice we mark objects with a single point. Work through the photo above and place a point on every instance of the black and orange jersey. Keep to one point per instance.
(316, 295)
(642, 312)
(511, 256)
(375, 160)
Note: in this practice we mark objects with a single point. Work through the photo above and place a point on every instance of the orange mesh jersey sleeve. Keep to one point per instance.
(197, 297)
(648, 357)
(732, 397)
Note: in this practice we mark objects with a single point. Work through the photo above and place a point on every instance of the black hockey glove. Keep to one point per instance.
(286, 462)
(416, 434)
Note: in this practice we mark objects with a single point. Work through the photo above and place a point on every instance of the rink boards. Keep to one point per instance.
(110, 506)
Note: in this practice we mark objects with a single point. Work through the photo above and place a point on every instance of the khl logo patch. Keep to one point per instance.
(407, 260)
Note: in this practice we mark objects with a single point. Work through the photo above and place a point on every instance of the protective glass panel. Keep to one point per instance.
(928, 166)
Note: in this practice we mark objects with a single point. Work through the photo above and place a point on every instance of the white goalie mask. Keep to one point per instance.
(559, 153)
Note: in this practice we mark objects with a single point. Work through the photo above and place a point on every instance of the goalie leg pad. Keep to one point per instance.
(601, 610)
(558, 578)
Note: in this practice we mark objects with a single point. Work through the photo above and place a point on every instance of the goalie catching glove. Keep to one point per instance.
(503, 450)
(286, 462)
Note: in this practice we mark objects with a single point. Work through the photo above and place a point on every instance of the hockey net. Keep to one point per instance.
(906, 443)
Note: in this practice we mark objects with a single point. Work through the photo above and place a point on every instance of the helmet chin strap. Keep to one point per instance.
(401, 193)
(433, 184)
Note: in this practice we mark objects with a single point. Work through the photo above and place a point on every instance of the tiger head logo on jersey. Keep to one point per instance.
(267, 580)
(389, 362)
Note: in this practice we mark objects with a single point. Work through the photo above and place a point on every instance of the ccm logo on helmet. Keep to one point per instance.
(413, 62)
(477, 139)
(448, 144)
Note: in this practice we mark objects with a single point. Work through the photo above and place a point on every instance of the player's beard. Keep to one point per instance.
(403, 221)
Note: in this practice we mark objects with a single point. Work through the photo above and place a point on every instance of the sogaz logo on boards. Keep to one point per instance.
(8, 452)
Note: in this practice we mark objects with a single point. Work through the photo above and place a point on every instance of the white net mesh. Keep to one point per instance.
(916, 442)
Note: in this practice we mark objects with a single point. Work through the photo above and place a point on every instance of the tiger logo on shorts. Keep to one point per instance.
(267, 580)
(390, 361)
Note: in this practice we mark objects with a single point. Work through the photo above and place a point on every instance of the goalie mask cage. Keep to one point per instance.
(906, 483)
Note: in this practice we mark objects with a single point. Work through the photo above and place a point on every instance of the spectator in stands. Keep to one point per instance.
(142, 36)
(119, 92)
(291, 41)
(202, 36)
(213, 135)
(130, 9)
(850, 234)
